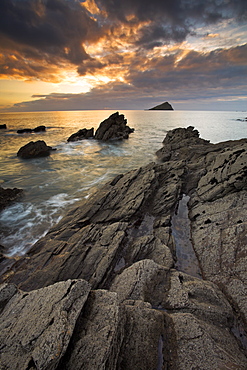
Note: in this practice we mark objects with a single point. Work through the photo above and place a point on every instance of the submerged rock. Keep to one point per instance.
(24, 131)
(142, 313)
(34, 150)
(39, 129)
(30, 130)
(8, 196)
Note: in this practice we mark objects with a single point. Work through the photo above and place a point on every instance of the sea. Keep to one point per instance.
(52, 185)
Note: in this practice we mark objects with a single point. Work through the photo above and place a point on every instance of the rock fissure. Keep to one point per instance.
(147, 314)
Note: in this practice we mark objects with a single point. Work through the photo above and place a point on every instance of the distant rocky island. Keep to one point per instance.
(163, 106)
(147, 273)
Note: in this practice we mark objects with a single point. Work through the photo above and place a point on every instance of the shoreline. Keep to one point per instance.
(120, 243)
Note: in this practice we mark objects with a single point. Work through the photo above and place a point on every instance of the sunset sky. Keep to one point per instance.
(123, 54)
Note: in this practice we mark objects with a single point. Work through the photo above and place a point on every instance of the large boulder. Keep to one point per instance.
(34, 149)
(7, 196)
(113, 128)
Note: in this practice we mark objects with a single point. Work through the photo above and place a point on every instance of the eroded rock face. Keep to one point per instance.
(36, 327)
(143, 312)
(34, 150)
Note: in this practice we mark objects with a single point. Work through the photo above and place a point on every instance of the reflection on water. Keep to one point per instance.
(53, 184)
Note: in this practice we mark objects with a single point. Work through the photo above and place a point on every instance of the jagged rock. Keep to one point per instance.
(163, 106)
(82, 134)
(34, 150)
(4, 126)
(98, 335)
(114, 127)
(8, 196)
(198, 321)
(121, 239)
(39, 129)
(96, 240)
(179, 142)
(36, 327)
(24, 131)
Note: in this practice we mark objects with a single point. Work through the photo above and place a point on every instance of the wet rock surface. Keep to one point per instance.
(8, 196)
(145, 309)
(30, 130)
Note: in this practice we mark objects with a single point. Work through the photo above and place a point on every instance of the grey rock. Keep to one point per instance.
(163, 106)
(8, 196)
(113, 128)
(198, 321)
(82, 134)
(41, 128)
(142, 345)
(36, 327)
(34, 150)
(98, 335)
(24, 131)
(146, 314)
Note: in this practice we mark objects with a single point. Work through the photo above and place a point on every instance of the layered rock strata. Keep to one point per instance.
(141, 311)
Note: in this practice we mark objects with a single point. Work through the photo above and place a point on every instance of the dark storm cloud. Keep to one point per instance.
(175, 11)
(218, 68)
(54, 27)
(171, 20)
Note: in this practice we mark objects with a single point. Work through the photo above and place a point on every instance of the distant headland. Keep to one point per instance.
(163, 106)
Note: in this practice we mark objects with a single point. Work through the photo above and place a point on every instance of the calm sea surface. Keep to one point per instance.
(53, 184)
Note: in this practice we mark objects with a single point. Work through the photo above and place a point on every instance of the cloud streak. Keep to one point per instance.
(216, 74)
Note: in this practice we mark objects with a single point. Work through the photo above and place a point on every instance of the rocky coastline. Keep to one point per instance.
(106, 287)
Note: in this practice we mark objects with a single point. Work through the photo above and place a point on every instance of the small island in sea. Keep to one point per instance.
(163, 106)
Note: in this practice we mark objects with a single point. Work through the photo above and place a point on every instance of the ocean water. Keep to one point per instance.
(52, 185)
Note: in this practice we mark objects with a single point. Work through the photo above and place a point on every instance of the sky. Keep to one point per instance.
(123, 54)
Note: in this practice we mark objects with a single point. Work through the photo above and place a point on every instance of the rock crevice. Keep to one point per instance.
(138, 309)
